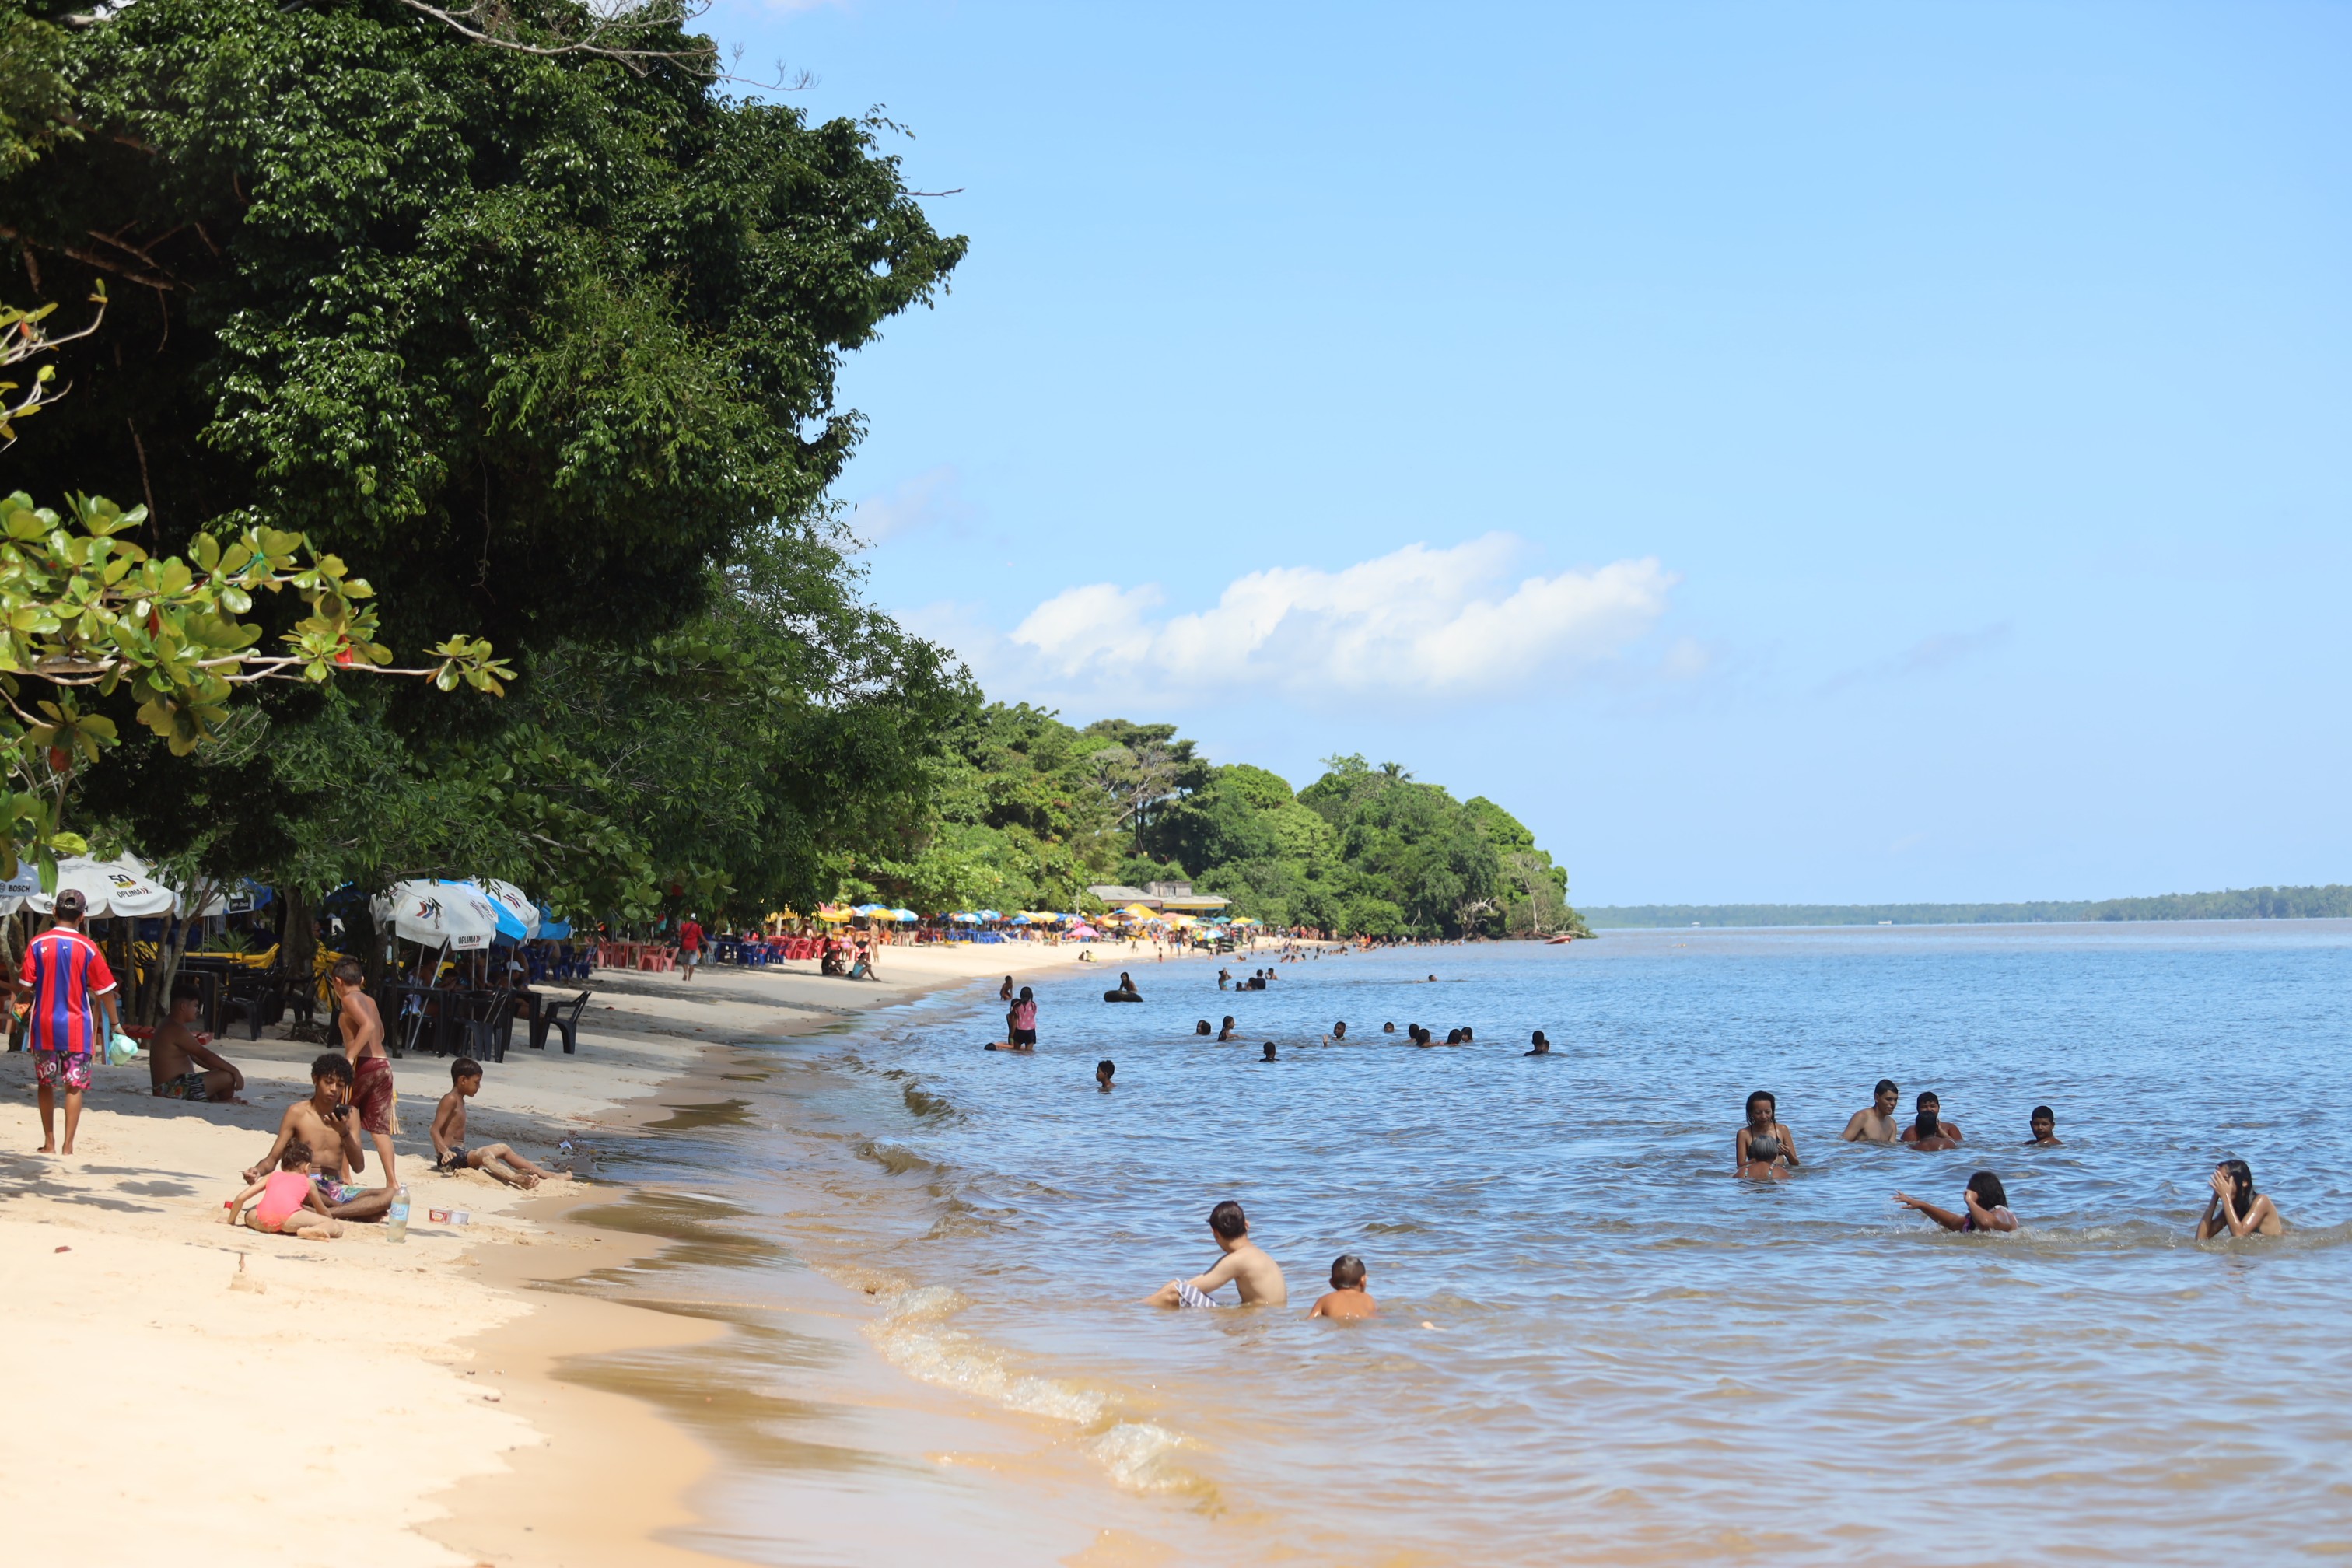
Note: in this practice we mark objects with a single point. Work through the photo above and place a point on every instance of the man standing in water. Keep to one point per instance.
(1257, 1280)
(1875, 1122)
(67, 985)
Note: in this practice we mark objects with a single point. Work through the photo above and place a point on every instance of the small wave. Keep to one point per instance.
(1141, 1457)
(915, 1335)
(894, 1157)
(930, 1107)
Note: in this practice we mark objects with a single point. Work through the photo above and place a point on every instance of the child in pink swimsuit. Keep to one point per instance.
(288, 1200)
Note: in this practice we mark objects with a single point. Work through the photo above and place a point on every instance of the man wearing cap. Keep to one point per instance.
(67, 985)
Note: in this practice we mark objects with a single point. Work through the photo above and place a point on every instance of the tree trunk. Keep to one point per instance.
(156, 998)
(298, 949)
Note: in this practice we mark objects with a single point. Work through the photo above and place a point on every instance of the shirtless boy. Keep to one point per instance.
(1875, 1122)
(1256, 1277)
(326, 1122)
(371, 1067)
(180, 1066)
(2044, 1124)
(1348, 1298)
(450, 1155)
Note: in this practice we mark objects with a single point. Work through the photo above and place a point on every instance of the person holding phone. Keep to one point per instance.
(327, 1122)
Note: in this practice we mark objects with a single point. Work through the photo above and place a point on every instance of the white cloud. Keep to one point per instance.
(1418, 621)
(930, 497)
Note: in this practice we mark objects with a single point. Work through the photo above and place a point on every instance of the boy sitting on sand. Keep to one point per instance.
(1348, 1298)
(1256, 1278)
(450, 1155)
(290, 1203)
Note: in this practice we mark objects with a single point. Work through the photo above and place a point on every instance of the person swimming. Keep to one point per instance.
(1453, 1036)
(1764, 1147)
(2044, 1124)
(1469, 1036)
(1269, 1052)
(1986, 1201)
(2236, 1207)
(1339, 1030)
(1124, 991)
(1542, 1047)
(1227, 1032)
(1875, 1122)
(1388, 1028)
(1104, 1070)
(1930, 1131)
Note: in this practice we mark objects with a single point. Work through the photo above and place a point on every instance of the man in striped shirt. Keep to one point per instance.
(69, 986)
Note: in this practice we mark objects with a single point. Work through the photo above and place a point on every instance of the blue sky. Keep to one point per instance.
(1782, 453)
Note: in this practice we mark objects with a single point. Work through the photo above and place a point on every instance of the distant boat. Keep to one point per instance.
(1559, 941)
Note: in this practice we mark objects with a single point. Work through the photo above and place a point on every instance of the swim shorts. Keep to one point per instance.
(332, 1192)
(1186, 1295)
(187, 1086)
(690, 957)
(1024, 1037)
(372, 1094)
(452, 1163)
(73, 1065)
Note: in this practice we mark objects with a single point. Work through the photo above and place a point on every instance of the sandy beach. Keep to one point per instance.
(204, 1392)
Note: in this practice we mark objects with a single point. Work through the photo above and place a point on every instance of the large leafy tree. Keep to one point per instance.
(551, 343)
(539, 338)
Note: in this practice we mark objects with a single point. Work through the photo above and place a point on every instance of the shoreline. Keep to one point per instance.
(450, 1438)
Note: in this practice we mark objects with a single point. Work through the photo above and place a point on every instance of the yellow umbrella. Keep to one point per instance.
(1138, 912)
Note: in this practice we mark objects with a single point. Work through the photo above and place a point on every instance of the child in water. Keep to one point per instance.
(1348, 1299)
(1987, 1203)
(2044, 1127)
(1103, 1071)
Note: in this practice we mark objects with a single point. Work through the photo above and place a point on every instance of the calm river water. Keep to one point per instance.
(1594, 1345)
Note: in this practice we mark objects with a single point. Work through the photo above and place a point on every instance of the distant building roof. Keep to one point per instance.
(1160, 896)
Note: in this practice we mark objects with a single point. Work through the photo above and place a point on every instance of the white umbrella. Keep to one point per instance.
(120, 887)
(515, 901)
(454, 915)
(20, 886)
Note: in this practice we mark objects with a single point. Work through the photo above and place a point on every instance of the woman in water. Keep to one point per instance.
(1763, 1148)
(1931, 1131)
(1985, 1200)
(2236, 1207)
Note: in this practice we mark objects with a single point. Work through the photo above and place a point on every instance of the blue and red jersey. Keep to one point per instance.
(63, 971)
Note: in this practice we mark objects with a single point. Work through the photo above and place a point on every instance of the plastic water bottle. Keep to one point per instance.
(395, 1222)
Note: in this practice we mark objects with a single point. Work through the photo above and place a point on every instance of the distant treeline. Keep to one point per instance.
(2331, 902)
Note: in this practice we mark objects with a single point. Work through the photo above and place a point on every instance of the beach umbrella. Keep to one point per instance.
(1083, 930)
(550, 928)
(455, 915)
(123, 886)
(1138, 912)
(871, 909)
(518, 912)
(1021, 921)
(903, 916)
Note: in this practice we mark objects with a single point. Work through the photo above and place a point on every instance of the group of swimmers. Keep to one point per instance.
(1765, 1148)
